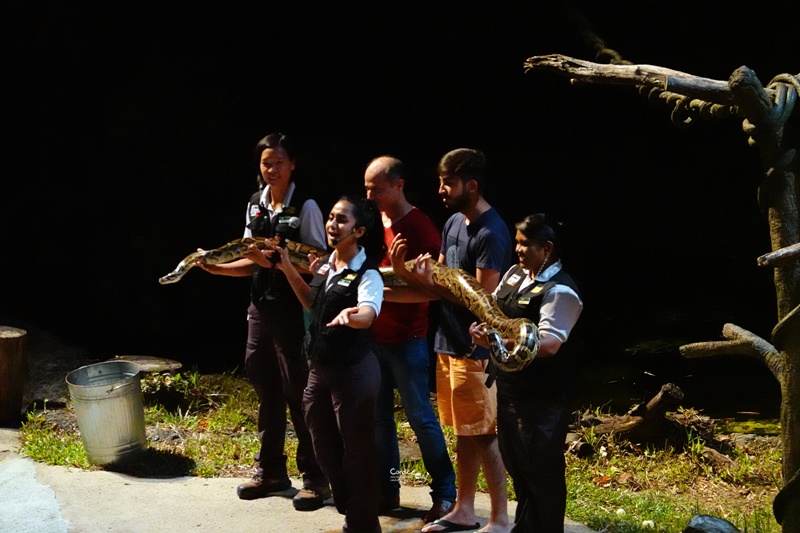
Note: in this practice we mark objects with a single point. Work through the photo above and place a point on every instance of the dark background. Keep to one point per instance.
(130, 131)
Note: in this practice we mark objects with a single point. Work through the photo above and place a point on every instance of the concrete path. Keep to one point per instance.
(35, 498)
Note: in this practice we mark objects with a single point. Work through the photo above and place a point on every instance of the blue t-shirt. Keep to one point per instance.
(485, 243)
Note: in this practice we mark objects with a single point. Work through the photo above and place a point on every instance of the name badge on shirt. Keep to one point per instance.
(525, 300)
(255, 211)
(284, 220)
(537, 289)
(513, 280)
(347, 280)
(322, 270)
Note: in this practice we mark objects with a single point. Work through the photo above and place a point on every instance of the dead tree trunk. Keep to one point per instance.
(767, 122)
(767, 113)
(13, 372)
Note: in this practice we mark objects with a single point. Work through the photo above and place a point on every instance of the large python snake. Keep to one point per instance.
(464, 289)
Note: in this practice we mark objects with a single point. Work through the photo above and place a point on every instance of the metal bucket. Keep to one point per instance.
(107, 398)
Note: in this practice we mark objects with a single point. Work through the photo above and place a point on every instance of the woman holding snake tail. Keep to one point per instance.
(534, 404)
(275, 326)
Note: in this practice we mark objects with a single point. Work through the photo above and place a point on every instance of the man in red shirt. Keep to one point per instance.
(400, 333)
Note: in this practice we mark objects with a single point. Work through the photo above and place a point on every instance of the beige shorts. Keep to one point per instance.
(464, 400)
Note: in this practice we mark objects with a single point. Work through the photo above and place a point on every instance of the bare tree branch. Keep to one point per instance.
(696, 350)
(715, 91)
(780, 257)
(742, 342)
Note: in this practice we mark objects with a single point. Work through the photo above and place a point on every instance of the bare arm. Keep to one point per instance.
(354, 317)
(548, 346)
(488, 278)
(370, 296)
(239, 268)
(420, 288)
(408, 295)
(299, 286)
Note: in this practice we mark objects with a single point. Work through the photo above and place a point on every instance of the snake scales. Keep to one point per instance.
(464, 288)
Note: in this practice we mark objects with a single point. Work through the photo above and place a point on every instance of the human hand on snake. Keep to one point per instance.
(397, 255)
(211, 269)
(478, 333)
(422, 273)
(313, 262)
(282, 261)
(260, 257)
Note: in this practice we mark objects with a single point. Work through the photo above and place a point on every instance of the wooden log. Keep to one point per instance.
(13, 373)
(644, 423)
(712, 456)
(149, 363)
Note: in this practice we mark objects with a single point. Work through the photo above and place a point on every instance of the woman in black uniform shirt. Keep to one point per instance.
(534, 404)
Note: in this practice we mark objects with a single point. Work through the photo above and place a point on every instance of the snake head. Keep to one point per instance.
(169, 278)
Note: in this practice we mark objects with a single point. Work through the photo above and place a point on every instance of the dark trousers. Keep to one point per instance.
(531, 433)
(339, 405)
(278, 372)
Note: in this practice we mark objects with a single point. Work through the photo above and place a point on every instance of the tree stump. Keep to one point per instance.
(13, 373)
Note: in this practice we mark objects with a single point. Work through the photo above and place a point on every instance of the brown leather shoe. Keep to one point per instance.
(258, 487)
(439, 509)
(310, 498)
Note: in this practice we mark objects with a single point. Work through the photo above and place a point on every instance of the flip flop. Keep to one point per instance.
(450, 526)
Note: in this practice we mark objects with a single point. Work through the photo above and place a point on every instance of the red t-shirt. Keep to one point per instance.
(402, 322)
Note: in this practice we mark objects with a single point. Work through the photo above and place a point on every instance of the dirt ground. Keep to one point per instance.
(50, 359)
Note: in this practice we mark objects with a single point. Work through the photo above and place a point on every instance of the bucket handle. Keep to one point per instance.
(115, 387)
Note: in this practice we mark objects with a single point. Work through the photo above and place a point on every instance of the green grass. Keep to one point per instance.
(622, 488)
(205, 425)
(46, 444)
